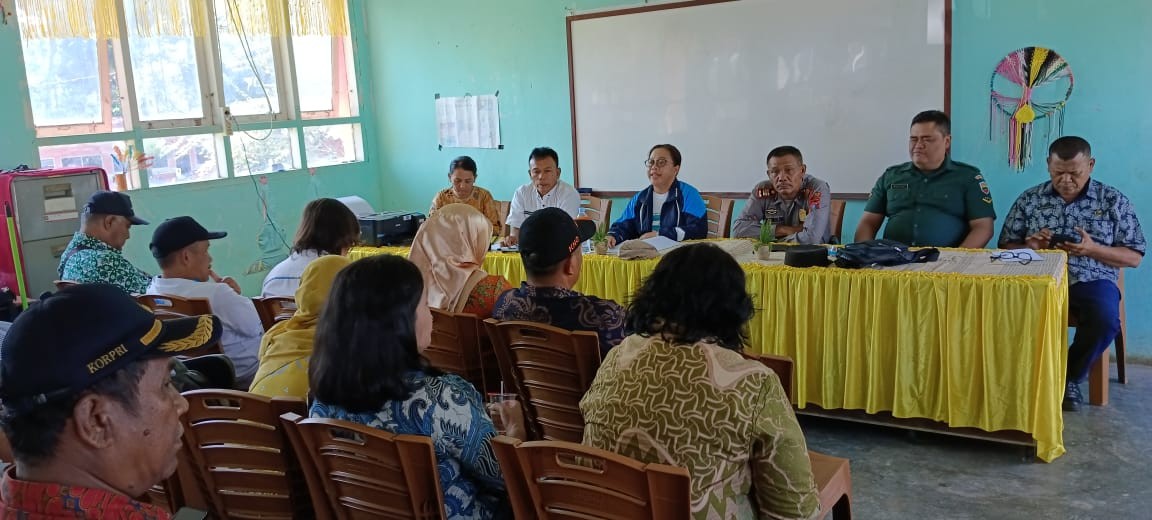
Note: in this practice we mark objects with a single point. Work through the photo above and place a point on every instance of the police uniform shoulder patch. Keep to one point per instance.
(987, 200)
(984, 187)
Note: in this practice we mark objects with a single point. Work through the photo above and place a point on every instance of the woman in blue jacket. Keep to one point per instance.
(668, 207)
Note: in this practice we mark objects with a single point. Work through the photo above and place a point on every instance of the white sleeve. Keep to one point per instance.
(570, 201)
(516, 209)
(236, 312)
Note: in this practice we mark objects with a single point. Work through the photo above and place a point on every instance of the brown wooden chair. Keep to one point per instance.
(243, 460)
(504, 207)
(719, 212)
(557, 480)
(274, 309)
(551, 369)
(355, 471)
(460, 346)
(1098, 375)
(836, 223)
(597, 209)
(833, 475)
(64, 284)
(169, 307)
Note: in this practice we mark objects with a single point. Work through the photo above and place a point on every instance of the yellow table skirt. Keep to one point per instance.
(987, 352)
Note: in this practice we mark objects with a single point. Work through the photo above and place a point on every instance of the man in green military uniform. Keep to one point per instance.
(931, 200)
(94, 254)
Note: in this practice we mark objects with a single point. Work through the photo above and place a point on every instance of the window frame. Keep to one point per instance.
(210, 76)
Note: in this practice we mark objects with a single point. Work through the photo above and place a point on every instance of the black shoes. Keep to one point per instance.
(1072, 397)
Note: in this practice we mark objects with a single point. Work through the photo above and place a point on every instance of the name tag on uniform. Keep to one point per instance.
(773, 215)
(898, 187)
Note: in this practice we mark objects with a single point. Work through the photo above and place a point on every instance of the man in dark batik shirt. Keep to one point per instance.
(550, 249)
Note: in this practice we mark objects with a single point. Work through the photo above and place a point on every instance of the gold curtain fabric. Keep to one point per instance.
(986, 352)
(96, 19)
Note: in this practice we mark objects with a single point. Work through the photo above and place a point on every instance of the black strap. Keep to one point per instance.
(64, 260)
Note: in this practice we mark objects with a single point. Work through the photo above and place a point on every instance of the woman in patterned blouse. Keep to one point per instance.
(449, 249)
(462, 175)
(366, 367)
(678, 392)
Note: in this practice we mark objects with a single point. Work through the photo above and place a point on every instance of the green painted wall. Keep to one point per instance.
(230, 204)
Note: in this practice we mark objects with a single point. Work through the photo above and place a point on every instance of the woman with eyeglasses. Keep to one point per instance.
(668, 207)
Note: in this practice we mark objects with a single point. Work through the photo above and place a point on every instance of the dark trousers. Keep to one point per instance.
(1096, 306)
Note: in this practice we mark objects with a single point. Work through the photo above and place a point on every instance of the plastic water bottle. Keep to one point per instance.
(582, 213)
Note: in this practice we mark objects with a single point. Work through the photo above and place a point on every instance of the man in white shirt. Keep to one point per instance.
(180, 246)
(545, 191)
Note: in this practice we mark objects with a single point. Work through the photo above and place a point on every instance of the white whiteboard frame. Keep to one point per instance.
(575, 17)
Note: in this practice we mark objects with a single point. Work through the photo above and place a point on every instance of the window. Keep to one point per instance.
(158, 76)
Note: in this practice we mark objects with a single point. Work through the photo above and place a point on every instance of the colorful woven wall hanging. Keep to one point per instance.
(1028, 85)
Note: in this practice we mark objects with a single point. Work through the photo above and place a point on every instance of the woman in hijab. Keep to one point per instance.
(285, 349)
(449, 249)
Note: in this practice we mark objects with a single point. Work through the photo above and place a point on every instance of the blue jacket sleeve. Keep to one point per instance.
(625, 227)
(695, 214)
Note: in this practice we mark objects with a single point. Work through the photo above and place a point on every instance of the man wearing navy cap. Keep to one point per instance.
(550, 250)
(89, 405)
(180, 246)
(94, 254)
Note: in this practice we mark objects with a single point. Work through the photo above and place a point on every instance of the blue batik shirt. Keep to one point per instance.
(450, 411)
(1101, 210)
(566, 309)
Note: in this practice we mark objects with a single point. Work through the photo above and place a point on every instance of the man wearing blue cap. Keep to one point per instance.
(180, 246)
(94, 254)
(95, 421)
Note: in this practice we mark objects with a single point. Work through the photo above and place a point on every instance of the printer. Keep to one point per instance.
(389, 228)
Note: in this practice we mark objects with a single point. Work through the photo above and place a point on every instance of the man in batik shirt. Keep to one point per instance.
(1097, 226)
(94, 255)
(550, 249)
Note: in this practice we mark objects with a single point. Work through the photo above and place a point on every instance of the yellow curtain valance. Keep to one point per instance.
(96, 19)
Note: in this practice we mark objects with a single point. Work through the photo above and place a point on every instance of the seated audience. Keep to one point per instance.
(286, 347)
(668, 207)
(462, 174)
(550, 249)
(678, 392)
(90, 408)
(180, 246)
(798, 204)
(449, 249)
(327, 227)
(545, 191)
(932, 200)
(366, 367)
(95, 254)
(1097, 226)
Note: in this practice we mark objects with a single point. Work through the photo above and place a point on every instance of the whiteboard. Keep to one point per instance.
(727, 82)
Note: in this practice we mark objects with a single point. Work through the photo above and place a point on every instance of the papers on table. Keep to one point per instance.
(661, 243)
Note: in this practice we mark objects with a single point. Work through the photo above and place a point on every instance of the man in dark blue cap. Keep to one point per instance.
(94, 254)
(89, 405)
(180, 246)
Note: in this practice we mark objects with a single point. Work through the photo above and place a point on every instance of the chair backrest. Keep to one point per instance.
(363, 472)
(782, 365)
(168, 307)
(554, 479)
(64, 284)
(243, 460)
(597, 209)
(504, 206)
(551, 369)
(719, 212)
(273, 309)
(460, 346)
(836, 223)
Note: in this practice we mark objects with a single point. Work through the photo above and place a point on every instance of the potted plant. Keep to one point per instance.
(764, 242)
(600, 242)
